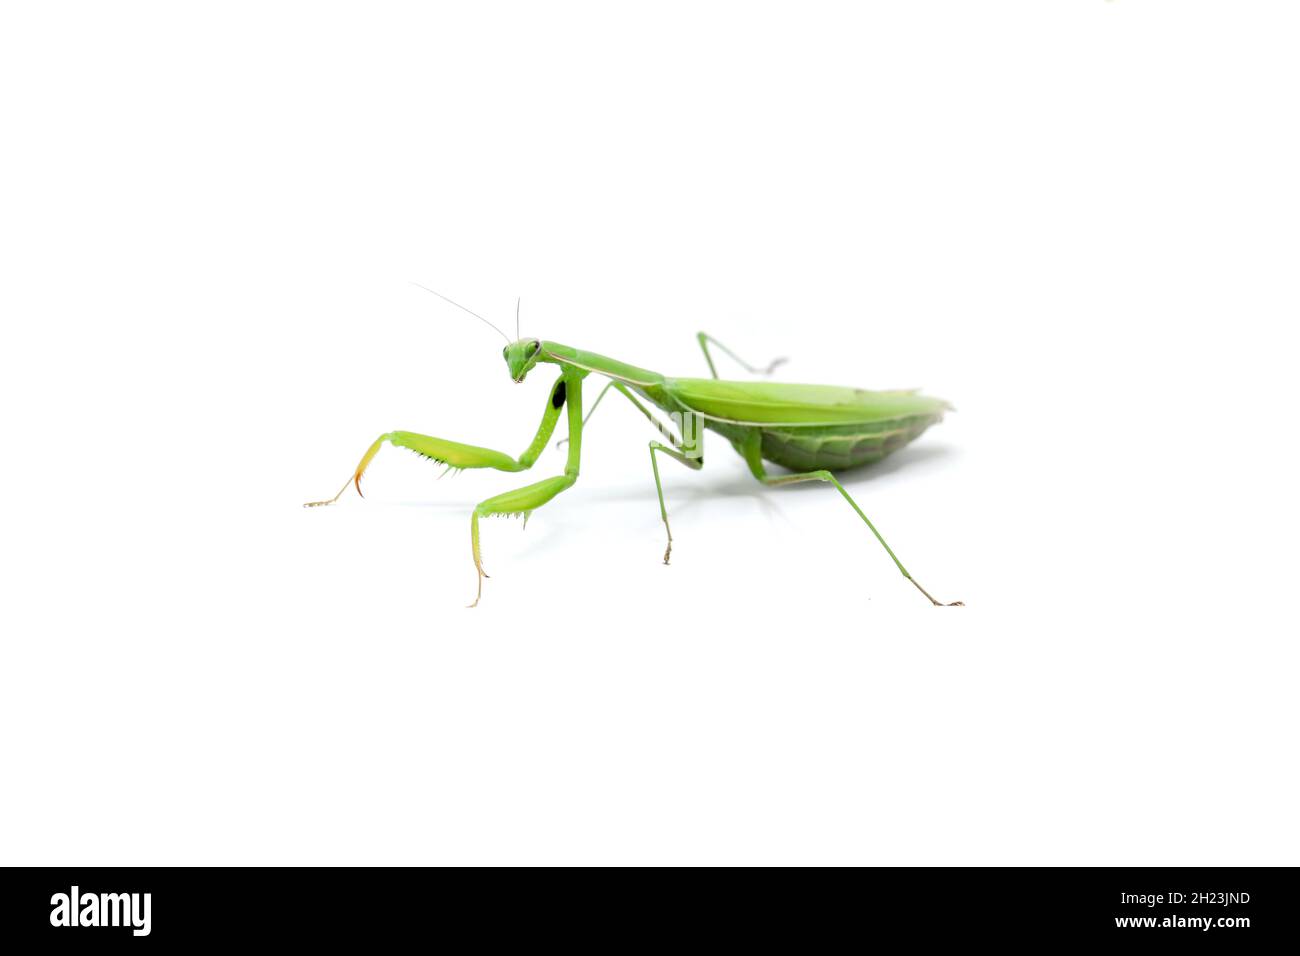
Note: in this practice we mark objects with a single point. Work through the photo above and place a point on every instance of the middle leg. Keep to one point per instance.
(693, 463)
(688, 449)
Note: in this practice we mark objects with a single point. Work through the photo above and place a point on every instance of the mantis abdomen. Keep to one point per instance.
(841, 446)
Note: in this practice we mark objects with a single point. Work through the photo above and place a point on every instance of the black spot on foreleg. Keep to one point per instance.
(557, 397)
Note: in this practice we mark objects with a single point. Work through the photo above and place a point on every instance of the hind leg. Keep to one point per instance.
(751, 449)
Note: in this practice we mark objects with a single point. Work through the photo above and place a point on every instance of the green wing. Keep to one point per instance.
(775, 403)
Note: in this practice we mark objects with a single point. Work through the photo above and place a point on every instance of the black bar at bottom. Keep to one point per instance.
(1223, 907)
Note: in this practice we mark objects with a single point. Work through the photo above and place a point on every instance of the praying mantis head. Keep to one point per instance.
(521, 356)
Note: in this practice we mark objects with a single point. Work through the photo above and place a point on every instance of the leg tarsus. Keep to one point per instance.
(356, 475)
(931, 597)
(329, 501)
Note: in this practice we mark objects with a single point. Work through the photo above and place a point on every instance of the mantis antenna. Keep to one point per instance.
(471, 312)
(517, 301)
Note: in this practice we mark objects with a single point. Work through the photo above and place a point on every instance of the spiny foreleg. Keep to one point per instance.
(458, 455)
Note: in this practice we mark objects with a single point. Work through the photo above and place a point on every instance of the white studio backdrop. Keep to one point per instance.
(1076, 221)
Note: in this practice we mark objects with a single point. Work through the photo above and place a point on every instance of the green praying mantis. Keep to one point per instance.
(807, 429)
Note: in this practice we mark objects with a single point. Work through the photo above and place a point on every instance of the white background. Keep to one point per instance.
(1077, 221)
